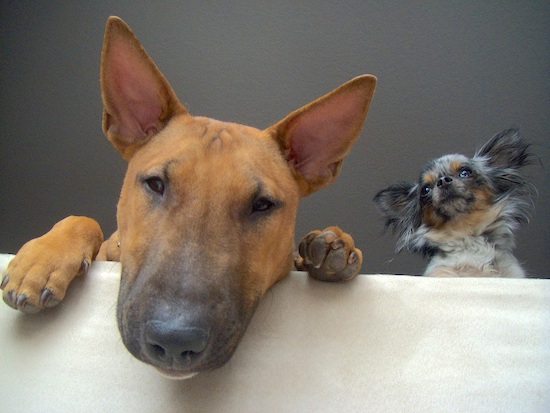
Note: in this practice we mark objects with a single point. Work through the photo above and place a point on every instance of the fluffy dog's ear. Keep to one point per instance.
(399, 206)
(504, 154)
(316, 138)
(138, 100)
(506, 149)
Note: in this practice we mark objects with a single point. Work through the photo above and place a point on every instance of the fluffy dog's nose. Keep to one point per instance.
(173, 343)
(444, 181)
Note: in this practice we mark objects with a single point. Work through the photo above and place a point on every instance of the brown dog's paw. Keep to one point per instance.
(30, 286)
(39, 275)
(329, 255)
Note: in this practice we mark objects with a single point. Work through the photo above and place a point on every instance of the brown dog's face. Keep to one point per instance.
(207, 210)
(206, 230)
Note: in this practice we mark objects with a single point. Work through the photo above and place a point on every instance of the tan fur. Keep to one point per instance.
(456, 166)
(467, 224)
(472, 224)
(430, 179)
(431, 219)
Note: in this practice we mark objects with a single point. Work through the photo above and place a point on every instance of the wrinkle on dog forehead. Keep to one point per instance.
(220, 136)
(191, 137)
(218, 133)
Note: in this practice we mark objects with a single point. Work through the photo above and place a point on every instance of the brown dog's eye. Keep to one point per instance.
(262, 204)
(425, 190)
(155, 184)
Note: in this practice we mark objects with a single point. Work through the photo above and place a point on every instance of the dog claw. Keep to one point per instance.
(9, 299)
(330, 237)
(21, 300)
(22, 304)
(336, 243)
(47, 298)
(5, 280)
(84, 266)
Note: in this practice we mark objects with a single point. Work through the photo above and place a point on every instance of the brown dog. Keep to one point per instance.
(206, 213)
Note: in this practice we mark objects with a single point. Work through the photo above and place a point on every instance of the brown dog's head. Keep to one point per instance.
(207, 209)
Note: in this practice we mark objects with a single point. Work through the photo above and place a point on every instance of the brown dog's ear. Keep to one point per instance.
(138, 100)
(316, 138)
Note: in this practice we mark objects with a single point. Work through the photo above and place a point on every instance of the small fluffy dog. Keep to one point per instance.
(463, 212)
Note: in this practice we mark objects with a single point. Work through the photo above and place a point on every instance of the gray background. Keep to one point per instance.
(451, 74)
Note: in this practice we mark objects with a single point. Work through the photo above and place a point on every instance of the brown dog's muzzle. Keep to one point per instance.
(182, 322)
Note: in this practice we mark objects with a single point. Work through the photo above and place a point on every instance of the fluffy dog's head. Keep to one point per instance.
(458, 197)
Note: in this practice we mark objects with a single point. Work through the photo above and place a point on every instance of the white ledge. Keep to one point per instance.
(379, 343)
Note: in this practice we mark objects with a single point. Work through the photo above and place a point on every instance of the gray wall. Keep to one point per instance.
(451, 74)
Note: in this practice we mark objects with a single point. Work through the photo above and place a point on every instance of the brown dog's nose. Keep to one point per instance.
(173, 344)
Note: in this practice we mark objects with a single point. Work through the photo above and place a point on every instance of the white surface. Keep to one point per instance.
(377, 343)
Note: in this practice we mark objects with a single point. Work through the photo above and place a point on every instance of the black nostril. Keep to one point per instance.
(170, 342)
(444, 181)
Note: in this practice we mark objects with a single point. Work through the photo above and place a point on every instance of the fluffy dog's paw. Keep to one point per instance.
(329, 255)
(39, 275)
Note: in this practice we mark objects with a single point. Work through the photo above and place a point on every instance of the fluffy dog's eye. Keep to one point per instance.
(465, 173)
(155, 184)
(425, 190)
